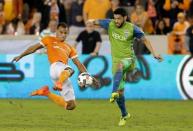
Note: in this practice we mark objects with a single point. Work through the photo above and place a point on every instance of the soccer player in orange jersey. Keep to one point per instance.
(58, 52)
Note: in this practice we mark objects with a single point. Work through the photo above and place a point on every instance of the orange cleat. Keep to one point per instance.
(43, 91)
(58, 86)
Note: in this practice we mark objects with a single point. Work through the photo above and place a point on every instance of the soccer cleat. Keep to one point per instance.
(44, 91)
(58, 86)
(114, 96)
(122, 121)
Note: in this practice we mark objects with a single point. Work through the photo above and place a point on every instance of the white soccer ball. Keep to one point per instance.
(84, 79)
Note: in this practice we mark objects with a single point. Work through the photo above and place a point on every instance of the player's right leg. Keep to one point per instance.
(68, 95)
(119, 96)
(43, 91)
(121, 67)
(68, 104)
(67, 98)
(118, 77)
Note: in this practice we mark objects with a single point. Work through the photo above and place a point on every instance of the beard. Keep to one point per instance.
(119, 26)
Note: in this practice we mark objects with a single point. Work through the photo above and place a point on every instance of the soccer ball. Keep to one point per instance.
(84, 79)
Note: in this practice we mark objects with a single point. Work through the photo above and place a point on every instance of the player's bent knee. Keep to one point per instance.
(120, 66)
(70, 105)
(71, 71)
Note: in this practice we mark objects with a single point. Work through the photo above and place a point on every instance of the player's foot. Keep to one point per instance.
(123, 120)
(58, 86)
(41, 92)
(114, 96)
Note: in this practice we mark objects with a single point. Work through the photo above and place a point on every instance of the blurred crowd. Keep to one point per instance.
(153, 16)
(40, 17)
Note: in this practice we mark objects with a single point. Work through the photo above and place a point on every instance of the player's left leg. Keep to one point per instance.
(122, 107)
(64, 75)
(128, 64)
(67, 98)
(121, 102)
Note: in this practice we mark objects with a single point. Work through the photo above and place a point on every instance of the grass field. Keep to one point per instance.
(95, 115)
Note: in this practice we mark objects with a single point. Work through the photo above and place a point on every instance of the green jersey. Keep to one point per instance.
(121, 39)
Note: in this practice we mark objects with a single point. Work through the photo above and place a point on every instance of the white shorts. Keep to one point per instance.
(67, 90)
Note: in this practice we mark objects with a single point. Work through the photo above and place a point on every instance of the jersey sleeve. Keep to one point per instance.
(98, 37)
(104, 23)
(45, 41)
(73, 53)
(138, 33)
(79, 37)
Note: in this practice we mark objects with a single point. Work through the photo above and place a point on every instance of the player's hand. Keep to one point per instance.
(93, 54)
(16, 59)
(95, 83)
(158, 57)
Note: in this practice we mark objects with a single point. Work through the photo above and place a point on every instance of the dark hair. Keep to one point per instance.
(120, 11)
(62, 24)
(159, 21)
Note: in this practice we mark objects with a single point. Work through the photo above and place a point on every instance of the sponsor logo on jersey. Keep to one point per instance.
(118, 36)
(126, 32)
(57, 47)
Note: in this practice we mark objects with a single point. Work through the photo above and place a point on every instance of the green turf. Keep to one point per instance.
(95, 115)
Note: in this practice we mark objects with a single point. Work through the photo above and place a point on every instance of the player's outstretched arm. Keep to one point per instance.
(28, 51)
(82, 69)
(150, 48)
(104, 23)
(79, 65)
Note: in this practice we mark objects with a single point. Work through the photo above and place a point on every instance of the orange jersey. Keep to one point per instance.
(57, 50)
(181, 27)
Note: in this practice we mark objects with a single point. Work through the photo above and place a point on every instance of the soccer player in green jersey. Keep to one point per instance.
(121, 35)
